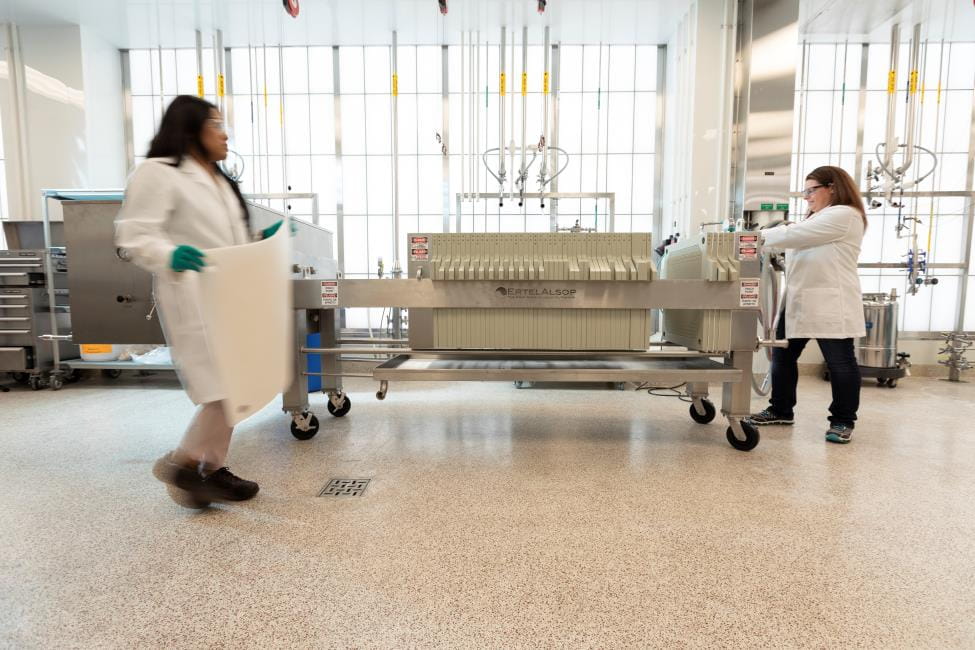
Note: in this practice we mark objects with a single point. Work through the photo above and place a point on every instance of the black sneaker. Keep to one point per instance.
(768, 416)
(175, 476)
(223, 485)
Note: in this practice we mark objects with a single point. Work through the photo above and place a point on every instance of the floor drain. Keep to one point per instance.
(344, 487)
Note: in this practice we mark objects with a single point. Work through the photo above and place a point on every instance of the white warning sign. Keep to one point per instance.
(330, 293)
(749, 292)
(419, 248)
(747, 247)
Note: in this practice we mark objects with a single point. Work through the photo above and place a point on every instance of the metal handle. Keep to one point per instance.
(52, 337)
(14, 319)
(14, 332)
(773, 343)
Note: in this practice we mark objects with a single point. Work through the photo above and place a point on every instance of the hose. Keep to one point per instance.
(769, 325)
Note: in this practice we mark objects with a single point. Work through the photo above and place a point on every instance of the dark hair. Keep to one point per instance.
(845, 190)
(179, 136)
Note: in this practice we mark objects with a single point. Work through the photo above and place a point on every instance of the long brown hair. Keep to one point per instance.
(845, 190)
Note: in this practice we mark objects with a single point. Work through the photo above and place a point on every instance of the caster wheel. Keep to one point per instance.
(35, 382)
(751, 437)
(72, 377)
(881, 381)
(519, 384)
(22, 378)
(186, 499)
(340, 411)
(709, 413)
(56, 383)
(112, 374)
(304, 426)
(892, 383)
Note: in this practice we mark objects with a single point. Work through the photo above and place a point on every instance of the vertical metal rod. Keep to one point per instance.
(218, 55)
(522, 173)
(284, 139)
(477, 120)
(339, 183)
(501, 94)
(511, 118)
(462, 134)
(545, 101)
(199, 63)
(18, 84)
(445, 127)
(229, 87)
(895, 36)
(49, 279)
(553, 203)
(861, 113)
(912, 98)
(658, 149)
(395, 90)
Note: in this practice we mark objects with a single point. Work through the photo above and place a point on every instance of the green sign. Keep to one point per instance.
(781, 206)
(766, 206)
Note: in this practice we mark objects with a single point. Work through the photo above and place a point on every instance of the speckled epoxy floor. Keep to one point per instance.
(496, 517)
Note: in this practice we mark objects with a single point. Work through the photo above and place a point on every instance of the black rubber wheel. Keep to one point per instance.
(751, 437)
(113, 373)
(881, 381)
(72, 377)
(56, 383)
(21, 378)
(709, 413)
(36, 383)
(307, 434)
(342, 410)
(892, 383)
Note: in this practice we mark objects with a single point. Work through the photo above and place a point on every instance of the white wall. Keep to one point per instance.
(104, 133)
(73, 132)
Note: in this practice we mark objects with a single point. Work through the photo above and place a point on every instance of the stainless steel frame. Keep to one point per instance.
(693, 368)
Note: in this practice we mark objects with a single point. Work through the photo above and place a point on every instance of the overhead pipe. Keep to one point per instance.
(891, 145)
(912, 98)
(397, 268)
(511, 117)
(501, 93)
(545, 139)
(523, 173)
(199, 63)
(463, 134)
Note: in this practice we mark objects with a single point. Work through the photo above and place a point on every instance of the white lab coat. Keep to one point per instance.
(823, 299)
(166, 206)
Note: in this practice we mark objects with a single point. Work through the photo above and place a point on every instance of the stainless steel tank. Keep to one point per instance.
(878, 349)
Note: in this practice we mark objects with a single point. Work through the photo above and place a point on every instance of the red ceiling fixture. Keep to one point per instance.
(443, 6)
(291, 6)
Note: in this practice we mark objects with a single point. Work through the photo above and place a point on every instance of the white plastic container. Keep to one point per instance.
(100, 352)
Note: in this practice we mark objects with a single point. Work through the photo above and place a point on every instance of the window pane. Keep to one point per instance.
(406, 69)
(296, 129)
(295, 61)
(140, 72)
(570, 68)
(380, 184)
(378, 122)
(620, 123)
(431, 185)
(429, 66)
(378, 78)
(646, 67)
(186, 71)
(351, 69)
(353, 124)
(354, 184)
(323, 180)
(299, 176)
(622, 68)
(645, 122)
(143, 126)
(643, 184)
(570, 118)
(240, 70)
(320, 69)
(322, 123)
(961, 71)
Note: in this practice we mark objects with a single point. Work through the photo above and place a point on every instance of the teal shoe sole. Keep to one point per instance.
(832, 437)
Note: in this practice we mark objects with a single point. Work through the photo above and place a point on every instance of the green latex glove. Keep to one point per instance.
(187, 258)
(270, 230)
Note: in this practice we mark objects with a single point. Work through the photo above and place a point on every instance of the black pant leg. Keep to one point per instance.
(785, 372)
(844, 378)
